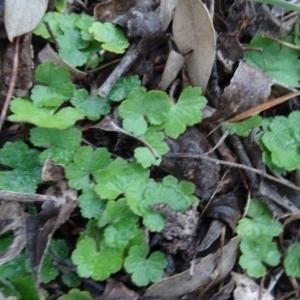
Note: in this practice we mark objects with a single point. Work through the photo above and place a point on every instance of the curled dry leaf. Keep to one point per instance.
(193, 31)
(12, 218)
(208, 267)
(22, 16)
(247, 289)
(51, 171)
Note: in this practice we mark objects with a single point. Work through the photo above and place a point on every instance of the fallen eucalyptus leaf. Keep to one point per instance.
(22, 16)
(193, 31)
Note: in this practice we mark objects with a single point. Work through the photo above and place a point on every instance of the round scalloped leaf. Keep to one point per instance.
(282, 139)
(113, 38)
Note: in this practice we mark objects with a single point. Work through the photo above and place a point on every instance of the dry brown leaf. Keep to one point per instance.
(22, 16)
(184, 283)
(193, 31)
(116, 291)
(174, 64)
(248, 88)
(248, 289)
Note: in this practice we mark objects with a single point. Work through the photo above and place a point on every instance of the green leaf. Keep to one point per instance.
(53, 19)
(113, 38)
(57, 89)
(153, 220)
(25, 287)
(278, 61)
(243, 128)
(259, 222)
(61, 5)
(179, 196)
(121, 224)
(70, 279)
(15, 266)
(70, 46)
(146, 157)
(282, 140)
(91, 205)
(91, 262)
(257, 231)
(93, 107)
(76, 294)
(27, 170)
(25, 111)
(291, 261)
(255, 253)
(48, 271)
(61, 143)
(119, 178)
(86, 162)
(186, 112)
(141, 107)
(143, 269)
(123, 87)
(84, 23)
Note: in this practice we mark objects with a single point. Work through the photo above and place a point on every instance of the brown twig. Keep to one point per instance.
(125, 64)
(12, 83)
(234, 165)
(24, 197)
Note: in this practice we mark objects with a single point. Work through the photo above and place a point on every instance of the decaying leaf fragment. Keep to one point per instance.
(12, 218)
(40, 228)
(249, 87)
(248, 289)
(204, 174)
(212, 266)
(194, 33)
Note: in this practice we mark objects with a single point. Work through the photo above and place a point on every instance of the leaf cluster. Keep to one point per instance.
(123, 193)
(257, 230)
(79, 38)
(146, 114)
(280, 141)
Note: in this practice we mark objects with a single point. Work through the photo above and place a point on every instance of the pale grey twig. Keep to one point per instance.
(24, 197)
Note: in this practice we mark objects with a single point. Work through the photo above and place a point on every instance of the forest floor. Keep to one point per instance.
(149, 150)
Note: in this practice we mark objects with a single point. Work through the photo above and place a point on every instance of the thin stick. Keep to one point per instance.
(24, 197)
(126, 62)
(259, 108)
(292, 46)
(12, 83)
(234, 165)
